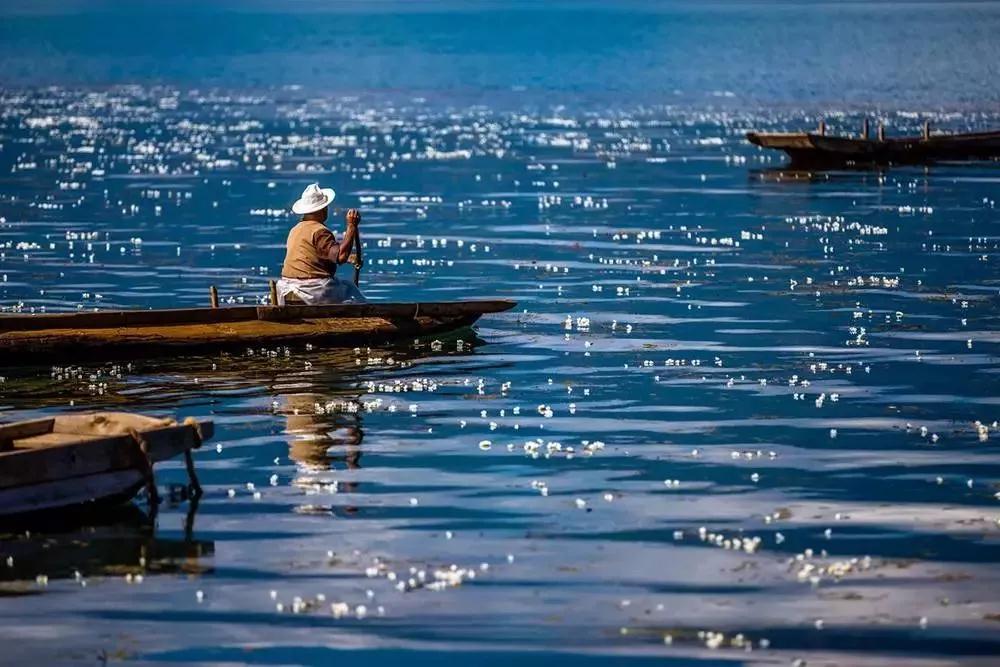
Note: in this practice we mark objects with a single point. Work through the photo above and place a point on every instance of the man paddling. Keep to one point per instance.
(308, 275)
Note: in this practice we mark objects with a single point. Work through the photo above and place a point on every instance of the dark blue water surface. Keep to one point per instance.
(863, 53)
(739, 416)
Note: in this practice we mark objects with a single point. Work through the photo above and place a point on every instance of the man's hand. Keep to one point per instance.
(350, 238)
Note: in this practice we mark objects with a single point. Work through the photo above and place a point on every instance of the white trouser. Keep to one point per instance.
(319, 291)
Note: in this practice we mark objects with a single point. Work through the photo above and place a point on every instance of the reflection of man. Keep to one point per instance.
(309, 273)
(317, 441)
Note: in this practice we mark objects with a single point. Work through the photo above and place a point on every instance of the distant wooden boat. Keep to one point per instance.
(82, 461)
(29, 338)
(809, 149)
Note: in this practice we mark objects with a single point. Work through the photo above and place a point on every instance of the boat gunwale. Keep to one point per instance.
(808, 140)
(25, 466)
(112, 319)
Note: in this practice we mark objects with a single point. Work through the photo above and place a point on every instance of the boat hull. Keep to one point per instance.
(79, 495)
(28, 338)
(810, 150)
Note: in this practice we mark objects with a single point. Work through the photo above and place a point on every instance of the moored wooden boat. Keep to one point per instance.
(808, 149)
(81, 461)
(27, 338)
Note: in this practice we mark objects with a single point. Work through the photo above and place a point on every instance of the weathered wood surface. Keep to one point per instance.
(11, 432)
(100, 486)
(171, 317)
(814, 148)
(85, 445)
(25, 338)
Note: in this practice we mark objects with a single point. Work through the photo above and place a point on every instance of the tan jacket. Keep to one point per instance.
(307, 256)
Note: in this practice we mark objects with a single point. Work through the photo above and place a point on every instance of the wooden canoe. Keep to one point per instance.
(28, 338)
(80, 460)
(814, 149)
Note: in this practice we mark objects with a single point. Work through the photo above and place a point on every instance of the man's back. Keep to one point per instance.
(308, 251)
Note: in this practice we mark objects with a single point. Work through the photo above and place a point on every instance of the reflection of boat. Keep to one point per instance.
(791, 174)
(819, 149)
(25, 338)
(81, 460)
(120, 541)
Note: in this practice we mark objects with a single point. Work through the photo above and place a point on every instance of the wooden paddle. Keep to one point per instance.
(358, 260)
(355, 258)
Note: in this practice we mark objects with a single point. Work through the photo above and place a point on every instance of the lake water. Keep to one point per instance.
(739, 416)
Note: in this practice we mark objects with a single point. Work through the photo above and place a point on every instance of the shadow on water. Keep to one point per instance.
(323, 431)
(814, 174)
(168, 380)
(419, 658)
(862, 173)
(854, 639)
(118, 542)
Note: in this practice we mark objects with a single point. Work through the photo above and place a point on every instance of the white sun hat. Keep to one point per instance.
(313, 199)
